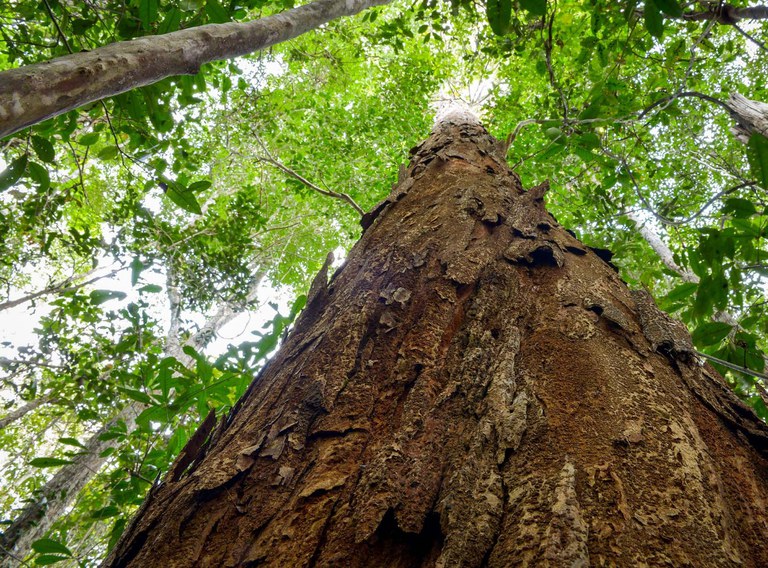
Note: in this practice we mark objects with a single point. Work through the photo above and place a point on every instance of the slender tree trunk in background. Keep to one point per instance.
(473, 388)
(31, 94)
(53, 499)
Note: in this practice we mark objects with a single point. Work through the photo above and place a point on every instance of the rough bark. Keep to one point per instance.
(751, 117)
(474, 387)
(34, 93)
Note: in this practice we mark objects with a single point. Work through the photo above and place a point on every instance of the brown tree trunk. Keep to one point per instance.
(474, 387)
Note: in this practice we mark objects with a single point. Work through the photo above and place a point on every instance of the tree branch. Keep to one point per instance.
(61, 287)
(33, 93)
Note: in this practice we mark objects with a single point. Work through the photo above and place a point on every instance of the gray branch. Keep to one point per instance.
(34, 93)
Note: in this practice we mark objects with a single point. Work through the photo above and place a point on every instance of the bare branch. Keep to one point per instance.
(61, 287)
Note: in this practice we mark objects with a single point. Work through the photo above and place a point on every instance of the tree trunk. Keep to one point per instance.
(55, 497)
(36, 518)
(34, 93)
(474, 387)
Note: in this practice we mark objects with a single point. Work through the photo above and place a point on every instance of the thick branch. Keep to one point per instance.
(55, 496)
(751, 117)
(661, 248)
(37, 92)
(728, 14)
(23, 410)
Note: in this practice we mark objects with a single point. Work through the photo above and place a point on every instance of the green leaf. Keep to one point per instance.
(757, 153)
(554, 133)
(535, 7)
(710, 333)
(682, 291)
(170, 22)
(108, 153)
(48, 462)
(147, 13)
(182, 197)
(43, 149)
(100, 296)
(216, 13)
(154, 414)
(50, 546)
(106, 512)
(499, 13)
(40, 175)
(654, 22)
(740, 208)
(89, 139)
(136, 395)
(136, 267)
(199, 185)
(588, 140)
(151, 288)
(48, 559)
(71, 442)
(117, 531)
(13, 172)
(669, 7)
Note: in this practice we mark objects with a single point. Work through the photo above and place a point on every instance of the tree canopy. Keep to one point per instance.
(210, 194)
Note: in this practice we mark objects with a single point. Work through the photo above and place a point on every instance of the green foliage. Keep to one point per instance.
(757, 151)
(192, 186)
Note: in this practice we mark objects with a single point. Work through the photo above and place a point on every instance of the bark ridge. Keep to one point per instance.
(474, 387)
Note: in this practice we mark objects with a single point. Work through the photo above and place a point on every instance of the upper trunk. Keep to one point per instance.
(473, 388)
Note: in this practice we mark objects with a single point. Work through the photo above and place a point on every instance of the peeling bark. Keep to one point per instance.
(34, 93)
(474, 387)
(751, 117)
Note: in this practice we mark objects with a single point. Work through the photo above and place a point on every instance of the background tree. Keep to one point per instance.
(625, 107)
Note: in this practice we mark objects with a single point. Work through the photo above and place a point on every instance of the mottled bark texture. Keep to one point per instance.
(34, 93)
(474, 387)
(751, 117)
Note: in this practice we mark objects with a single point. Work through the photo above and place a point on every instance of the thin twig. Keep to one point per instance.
(62, 287)
(734, 367)
(56, 25)
(285, 169)
(550, 70)
(312, 186)
(670, 98)
(758, 43)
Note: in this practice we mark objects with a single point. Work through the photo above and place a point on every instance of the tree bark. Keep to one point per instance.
(751, 117)
(474, 387)
(34, 93)
(24, 409)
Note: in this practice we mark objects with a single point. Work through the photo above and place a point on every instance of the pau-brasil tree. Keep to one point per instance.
(474, 387)
(434, 418)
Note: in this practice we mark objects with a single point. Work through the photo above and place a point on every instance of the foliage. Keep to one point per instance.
(195, 184)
